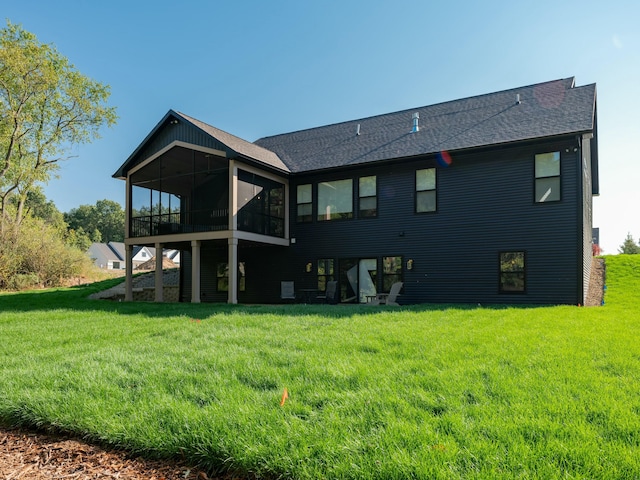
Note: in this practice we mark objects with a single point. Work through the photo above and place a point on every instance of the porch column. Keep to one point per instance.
(128, 281)
(233, 195)
(195, 271)
(159, 274)
(233, 271)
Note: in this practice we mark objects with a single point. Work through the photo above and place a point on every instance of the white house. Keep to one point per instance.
(111, 256)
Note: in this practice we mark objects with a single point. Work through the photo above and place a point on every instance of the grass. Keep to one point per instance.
(426, 391)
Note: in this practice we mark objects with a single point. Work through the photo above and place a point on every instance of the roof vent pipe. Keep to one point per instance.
(416, 127)
(358, 130)
(518, 99)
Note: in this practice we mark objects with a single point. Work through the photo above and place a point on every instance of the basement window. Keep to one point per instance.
(512, 272)
(547, 168)
(223, 277)
(325, 273)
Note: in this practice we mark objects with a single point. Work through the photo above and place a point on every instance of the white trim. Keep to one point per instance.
(203, 236)
(233, 195)
(195, 271)
(232, 296)
(159, 277)
(262, 173)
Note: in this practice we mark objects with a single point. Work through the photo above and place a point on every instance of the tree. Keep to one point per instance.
(36, 205)
(103, 221)
(629, 246)
(46, 106)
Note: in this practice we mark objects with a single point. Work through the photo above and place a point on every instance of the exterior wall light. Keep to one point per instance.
(410, 264)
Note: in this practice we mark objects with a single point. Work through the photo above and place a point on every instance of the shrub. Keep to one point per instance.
(34, 253)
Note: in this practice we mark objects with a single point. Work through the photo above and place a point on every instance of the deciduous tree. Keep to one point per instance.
(46, 106)
(106, 218)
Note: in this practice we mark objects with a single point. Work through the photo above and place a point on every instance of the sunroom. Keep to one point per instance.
(195, 188)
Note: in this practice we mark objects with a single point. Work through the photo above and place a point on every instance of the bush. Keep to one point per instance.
(35, 254)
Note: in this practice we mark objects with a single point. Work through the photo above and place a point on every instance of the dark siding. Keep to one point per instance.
(185, 276)
(485, 206)
(265, 267)
(181, 132)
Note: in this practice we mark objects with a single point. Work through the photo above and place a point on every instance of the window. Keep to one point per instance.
(305, 210)
(367, 194)
(547, 177)
(116, 265)
(223, 277)
(391, 272)
(325, 273)
(426, 190)
(260, 205)
(335, 200)
(143, 254)
(512, 272)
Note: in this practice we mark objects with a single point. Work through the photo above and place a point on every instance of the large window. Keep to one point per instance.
(260, 205)
(223, 277)
(305, 208)
(547, 170)
(335, 200)
(426, 190)
(367, 195)
(391, 272)
(325, 273)
(512, 272)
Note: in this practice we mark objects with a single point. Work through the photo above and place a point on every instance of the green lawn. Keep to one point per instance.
(427, 391)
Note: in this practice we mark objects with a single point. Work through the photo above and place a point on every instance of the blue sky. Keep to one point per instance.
(257, 68)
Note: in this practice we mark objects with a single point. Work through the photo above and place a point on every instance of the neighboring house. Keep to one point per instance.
(111, 256)
(105, 257)
(485, 199)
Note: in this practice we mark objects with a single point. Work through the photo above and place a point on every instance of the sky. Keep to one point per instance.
(256, 68)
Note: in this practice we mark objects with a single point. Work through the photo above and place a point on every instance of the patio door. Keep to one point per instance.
(357, 279)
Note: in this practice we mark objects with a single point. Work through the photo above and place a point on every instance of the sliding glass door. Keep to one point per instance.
(357, 279)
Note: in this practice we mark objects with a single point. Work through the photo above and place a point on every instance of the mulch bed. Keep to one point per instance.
(37, 456)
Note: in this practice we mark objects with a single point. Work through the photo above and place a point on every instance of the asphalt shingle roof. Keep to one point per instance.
(544, 110)
(237, 144)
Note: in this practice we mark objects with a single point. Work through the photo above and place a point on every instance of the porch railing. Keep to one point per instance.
(172, 223)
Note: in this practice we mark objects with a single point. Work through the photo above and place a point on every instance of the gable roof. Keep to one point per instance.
(236, 145)
(544, 110)
(119, 249)
(105, 251)
(541, 110)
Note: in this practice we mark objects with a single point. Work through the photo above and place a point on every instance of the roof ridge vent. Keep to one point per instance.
(416, 118)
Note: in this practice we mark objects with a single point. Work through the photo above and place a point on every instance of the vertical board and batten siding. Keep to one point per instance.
(183, 132)
(485, 206)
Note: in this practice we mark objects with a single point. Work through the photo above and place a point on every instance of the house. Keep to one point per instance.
(484, 199)
(105, 257)
(111, 255)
